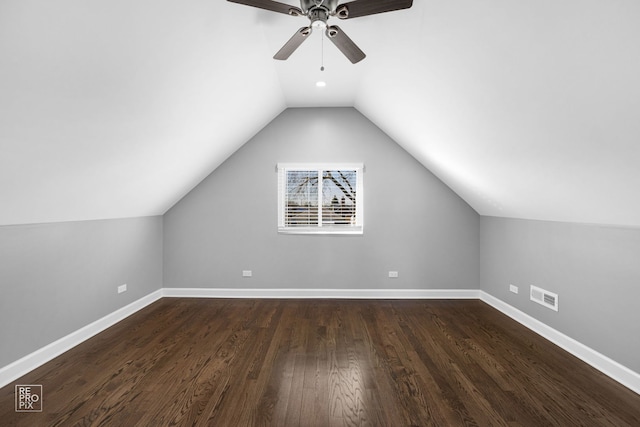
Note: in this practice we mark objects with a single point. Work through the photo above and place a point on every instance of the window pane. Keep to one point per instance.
(316, 198)
(301, 208)
(338, 197)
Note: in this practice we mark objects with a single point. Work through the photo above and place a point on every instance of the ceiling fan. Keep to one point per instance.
(319, 12)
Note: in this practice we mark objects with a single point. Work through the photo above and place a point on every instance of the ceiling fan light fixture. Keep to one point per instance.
(319, 24)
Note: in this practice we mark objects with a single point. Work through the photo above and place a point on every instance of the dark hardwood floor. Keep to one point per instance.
(210, 362)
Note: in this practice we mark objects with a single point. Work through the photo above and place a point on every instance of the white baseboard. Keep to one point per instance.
(607, 366)
(322, 293)
(41, 356)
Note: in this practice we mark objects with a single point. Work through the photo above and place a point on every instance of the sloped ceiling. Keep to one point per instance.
(118, 108)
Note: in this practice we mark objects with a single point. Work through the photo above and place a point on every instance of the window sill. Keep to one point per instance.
(321, 230)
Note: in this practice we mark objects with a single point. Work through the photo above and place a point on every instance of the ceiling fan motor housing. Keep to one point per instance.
(318, 16)
(329, 6)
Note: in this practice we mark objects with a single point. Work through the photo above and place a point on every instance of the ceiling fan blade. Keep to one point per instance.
(271, 5)
(355, 9)
(345, 44)
(294, 42)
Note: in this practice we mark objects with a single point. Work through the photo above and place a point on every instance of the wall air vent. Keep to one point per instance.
(546, 298)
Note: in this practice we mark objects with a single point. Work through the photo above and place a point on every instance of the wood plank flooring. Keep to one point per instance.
(210, 362)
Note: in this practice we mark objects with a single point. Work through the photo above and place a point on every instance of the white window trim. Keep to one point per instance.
(358, 228)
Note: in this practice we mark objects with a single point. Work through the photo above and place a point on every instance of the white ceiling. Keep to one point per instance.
(117, 108)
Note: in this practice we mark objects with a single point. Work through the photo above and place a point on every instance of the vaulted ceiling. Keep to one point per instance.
(117, 108)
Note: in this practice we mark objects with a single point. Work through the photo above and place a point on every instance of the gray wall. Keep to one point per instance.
(412, 222)
(58, 278)
(595, 271)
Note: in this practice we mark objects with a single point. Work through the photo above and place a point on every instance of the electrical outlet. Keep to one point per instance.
(247, 273)
(513, 289)
(393, 274)
(122, 288)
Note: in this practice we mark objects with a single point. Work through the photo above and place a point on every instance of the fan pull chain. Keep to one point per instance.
(321, 52)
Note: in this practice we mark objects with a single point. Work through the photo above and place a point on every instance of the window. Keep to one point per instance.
(320, 198)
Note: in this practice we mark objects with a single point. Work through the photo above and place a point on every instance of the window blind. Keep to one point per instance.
(314, 198)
